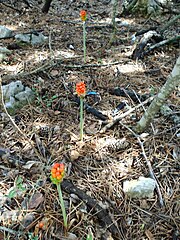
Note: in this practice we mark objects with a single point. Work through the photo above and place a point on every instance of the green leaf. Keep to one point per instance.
(54, 97)
(18, 181)
(12, 193)
(89, 237)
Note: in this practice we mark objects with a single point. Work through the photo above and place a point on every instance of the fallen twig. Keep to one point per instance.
(98, 211)
(162, 43)
(3, 107)
(92, 65)
(169, 23)
(151, 173)
(119, 117)
(17, 233)
(125, 92)
(9, 6)
(92, 110)
(44, 67)
(54, 62)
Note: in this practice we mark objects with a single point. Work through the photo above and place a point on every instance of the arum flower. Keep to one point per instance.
(81, 91)
(57, 175)
(83, 15)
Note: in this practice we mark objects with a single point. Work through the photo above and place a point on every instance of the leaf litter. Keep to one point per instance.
(97, 168)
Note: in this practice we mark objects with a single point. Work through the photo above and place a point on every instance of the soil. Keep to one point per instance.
(96, 167)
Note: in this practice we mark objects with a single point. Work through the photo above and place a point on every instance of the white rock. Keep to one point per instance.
(141, 188)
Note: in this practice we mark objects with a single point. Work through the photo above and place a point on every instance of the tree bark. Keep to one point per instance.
(46, 6)
(172, 81)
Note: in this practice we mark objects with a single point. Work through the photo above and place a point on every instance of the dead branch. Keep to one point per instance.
(55, 62)
(162, 43)
(170, 23)
(120, 117)
(151, 172)
(92, 204)
(128, 93)
(11, 7)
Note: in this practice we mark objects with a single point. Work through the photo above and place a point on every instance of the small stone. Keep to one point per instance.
(54, 73)
(72, 236)
(5, 32)
(16, 95)
(141, 188)
(74, 155)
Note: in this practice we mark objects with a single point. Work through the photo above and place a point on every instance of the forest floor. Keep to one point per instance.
(94, 170)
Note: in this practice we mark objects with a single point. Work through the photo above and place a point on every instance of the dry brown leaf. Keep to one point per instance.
(36, 200)
(149, 235)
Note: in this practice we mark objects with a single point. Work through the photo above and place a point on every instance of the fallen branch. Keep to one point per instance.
(147, 37)
(169, 23)
(13, 232)
(125, 92)
(151, 173)
(162, 43)
(92, 65)
(55, 62)
(44, 67)
(120, 117)
(96, 209)
(91, 110)
(11, 7)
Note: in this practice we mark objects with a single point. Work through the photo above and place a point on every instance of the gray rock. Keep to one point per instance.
(26, 95)
(5, 50)
(16, 96)
(31, 38)
(11, 89)
(5, 32)
(141, 188)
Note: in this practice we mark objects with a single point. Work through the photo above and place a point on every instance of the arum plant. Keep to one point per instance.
(83, 15)
(57, 174)
(81, 91)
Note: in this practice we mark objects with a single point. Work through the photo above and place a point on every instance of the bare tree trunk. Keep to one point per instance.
(46, 6)
(172, 81)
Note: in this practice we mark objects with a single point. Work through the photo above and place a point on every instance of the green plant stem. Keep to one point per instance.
(84, 40)
(81, 118)
(62, 205)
